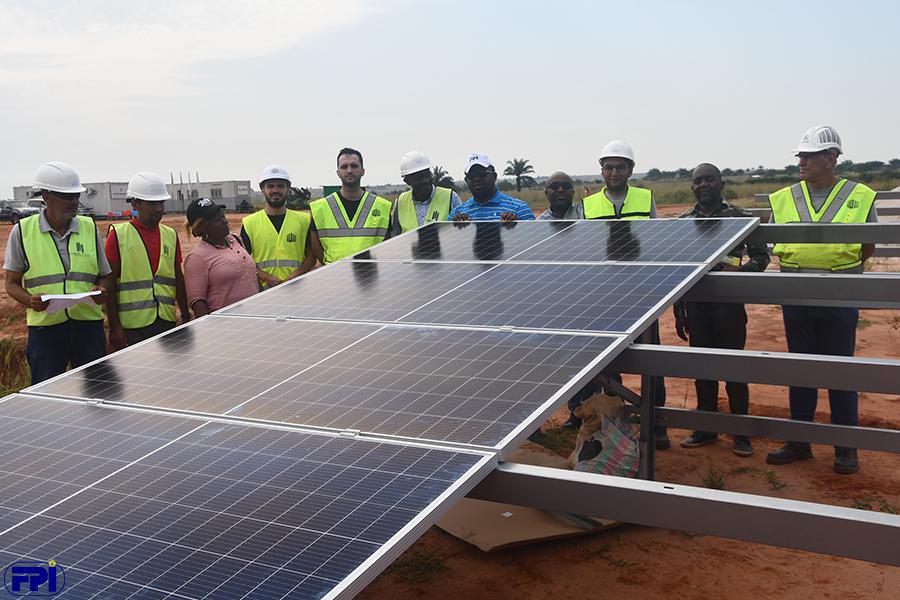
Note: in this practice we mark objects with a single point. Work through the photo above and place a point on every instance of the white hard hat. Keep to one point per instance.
(413, 162)
(273, 172)
(619, 149)
(477, 159)
(147, 186)
(818, 138)
(57, 176)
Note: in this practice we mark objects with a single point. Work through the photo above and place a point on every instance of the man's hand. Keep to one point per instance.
(508, 216)
(268, 279)
(37, 304)
(101, 297)
(185, 317)
(117, 337)
(728, 267)
(681, 328)
(461, 216)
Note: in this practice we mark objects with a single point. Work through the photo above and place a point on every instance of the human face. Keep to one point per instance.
(420, 182)
(616, 172)
(559, 191)
(350, 170)
(707, 185)
(217, 227)
(275, 191)
(816, 166)
(482, 182)
(61, 207)
(149, 213)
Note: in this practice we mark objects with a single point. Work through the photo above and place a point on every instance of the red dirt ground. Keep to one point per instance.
(641, 562)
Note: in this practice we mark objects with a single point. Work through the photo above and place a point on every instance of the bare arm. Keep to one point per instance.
(17, 292)
(867, 251)
(200, 308)
(181, 295)
(316, 247)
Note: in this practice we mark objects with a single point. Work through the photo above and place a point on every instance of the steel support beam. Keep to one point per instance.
(880, 375)
(857, 534)
(869, 290)
(827, 233)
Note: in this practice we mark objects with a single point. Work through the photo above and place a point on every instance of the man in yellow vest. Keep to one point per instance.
(276, 237)
(618, 200)
(58, 252)
(424, 202)
(145, 258)
(820, 197)
(350, 220)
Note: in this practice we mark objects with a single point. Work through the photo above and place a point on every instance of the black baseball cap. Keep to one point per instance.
(202, 208)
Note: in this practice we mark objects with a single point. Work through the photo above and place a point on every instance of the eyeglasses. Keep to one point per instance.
(615, 168)
(559, 185)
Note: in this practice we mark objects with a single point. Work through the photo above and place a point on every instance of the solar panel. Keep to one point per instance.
(50, 449)
(212, 366)
(461, 386)
(465, 241)
(233, 511)
(653, 240)
(611, 298)
(360, 291)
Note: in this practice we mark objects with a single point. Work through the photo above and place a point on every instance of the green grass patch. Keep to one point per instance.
(14, 372)
(560, 440)
(877, 504)
(417, 567)
(775, 482)
(713, 479)
(604, 553)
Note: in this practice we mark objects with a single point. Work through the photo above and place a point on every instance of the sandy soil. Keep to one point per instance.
(642, 562)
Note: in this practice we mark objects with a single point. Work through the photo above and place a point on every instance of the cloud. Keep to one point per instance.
(125, 46)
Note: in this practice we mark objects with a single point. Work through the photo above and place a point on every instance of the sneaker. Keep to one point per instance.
(699, 438)
(573, 422)
(845, 461)
(790, 452)
(742, 446)
(662, 439)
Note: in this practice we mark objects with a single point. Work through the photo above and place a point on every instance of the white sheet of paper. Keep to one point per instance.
(60, 302)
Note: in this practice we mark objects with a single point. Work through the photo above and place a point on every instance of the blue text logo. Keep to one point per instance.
(29, 578)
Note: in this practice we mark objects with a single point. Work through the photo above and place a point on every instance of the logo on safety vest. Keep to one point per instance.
(79, 247)
(376, 213)
(291, 238)
(165, 249)
(852, 203)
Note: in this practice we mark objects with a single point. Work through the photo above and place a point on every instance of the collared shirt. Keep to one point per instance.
(575, 213)
(758, 253)
(219, 276)
(16, 261)
(492, 209)
(422, 209)
(151, 238)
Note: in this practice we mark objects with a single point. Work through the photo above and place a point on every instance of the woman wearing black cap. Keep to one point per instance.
(218, 272)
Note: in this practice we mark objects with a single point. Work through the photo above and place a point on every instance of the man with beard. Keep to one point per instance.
(560, 190)
(487, 202)
(424, 202)
(351, 219)
(277, 238)
(718, 324)
(145, 258)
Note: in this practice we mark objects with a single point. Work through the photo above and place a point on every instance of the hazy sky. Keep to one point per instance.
(227, 87)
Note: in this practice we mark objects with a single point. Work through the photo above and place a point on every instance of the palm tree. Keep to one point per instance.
(520, 169)
(441, 178)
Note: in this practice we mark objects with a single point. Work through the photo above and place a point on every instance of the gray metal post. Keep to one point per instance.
(647, 440)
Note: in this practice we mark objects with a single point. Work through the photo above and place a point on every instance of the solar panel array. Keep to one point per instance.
(295, 443)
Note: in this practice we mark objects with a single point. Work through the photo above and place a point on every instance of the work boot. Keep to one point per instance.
(573, 422)
(699, 438)
(845, 461)
(742, 446)
(662, 439)
(790, 452)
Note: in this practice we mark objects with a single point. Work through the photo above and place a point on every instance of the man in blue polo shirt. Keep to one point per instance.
(487, 202)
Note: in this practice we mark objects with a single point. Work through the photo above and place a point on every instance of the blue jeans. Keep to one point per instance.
(822, 330)
(53, 348)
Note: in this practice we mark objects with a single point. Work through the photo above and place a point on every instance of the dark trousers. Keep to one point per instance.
(133, 336)
(822, 330)
(50, 350)
(719, 325)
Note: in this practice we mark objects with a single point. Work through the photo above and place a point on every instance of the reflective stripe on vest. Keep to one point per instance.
(438, 208)
(47, 275)
(278, 253)
(638, 204)
(848, 202)
(340, 237)
(141, 295)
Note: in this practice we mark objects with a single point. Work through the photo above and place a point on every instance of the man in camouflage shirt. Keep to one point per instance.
(718, 324)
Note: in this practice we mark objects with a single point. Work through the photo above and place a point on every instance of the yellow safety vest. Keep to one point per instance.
(342, 236)
(141, 294)
(278, 253)
(438, 208)
(848, 202)
(47, 275)
(637, 205)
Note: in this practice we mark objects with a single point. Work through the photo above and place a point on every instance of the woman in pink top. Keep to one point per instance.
(218, 272)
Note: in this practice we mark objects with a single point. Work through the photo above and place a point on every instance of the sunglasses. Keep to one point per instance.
(559, 185)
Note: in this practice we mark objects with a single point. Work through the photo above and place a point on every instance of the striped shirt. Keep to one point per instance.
(493, 208)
